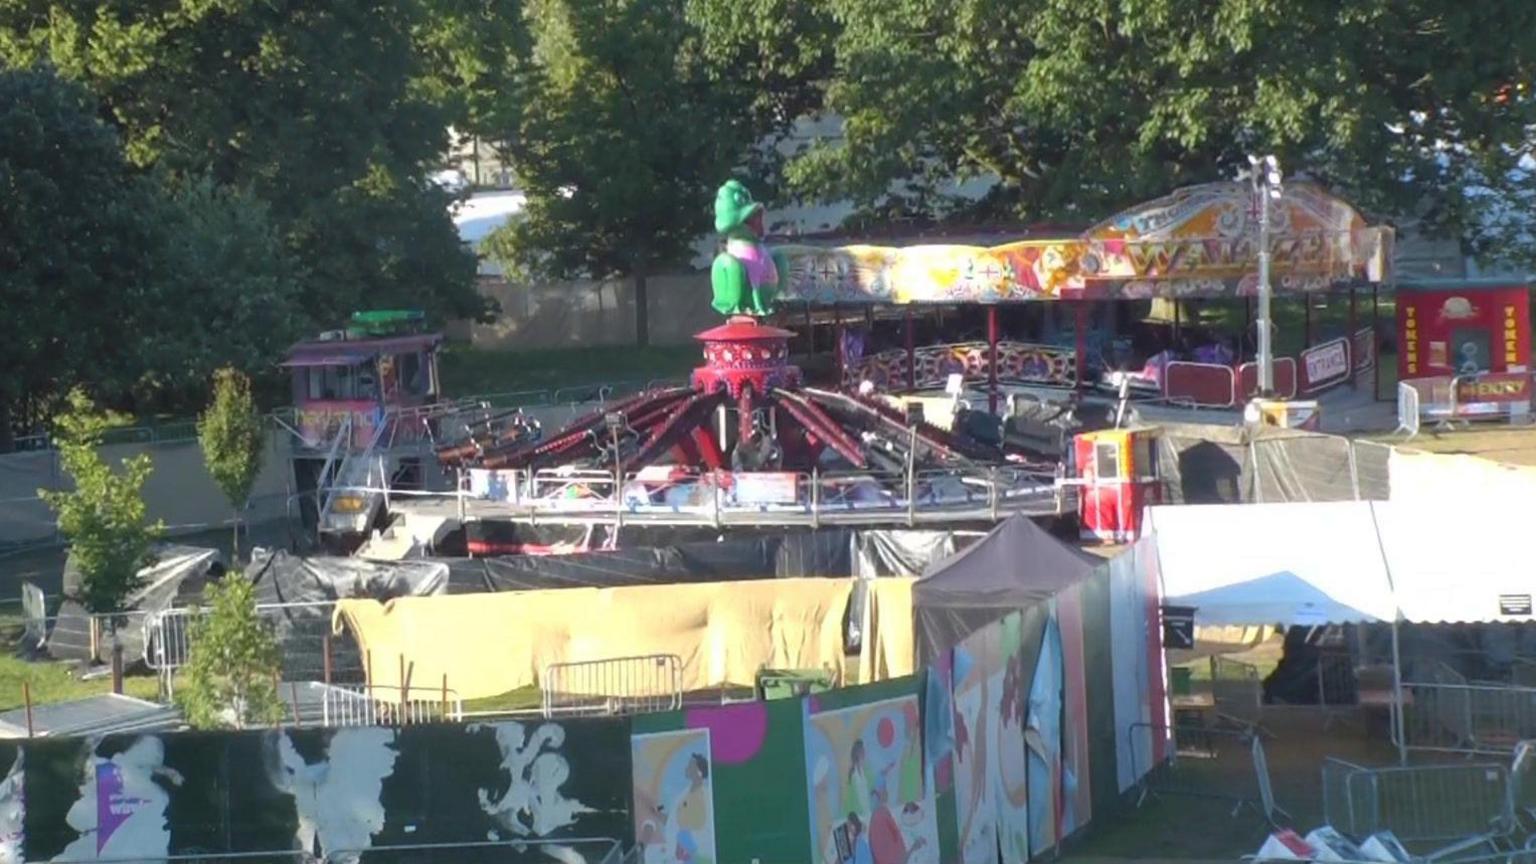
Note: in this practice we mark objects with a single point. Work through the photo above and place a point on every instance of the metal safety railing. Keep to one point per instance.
(1467, 717)
(1202, 764)
(1438, 803)
(1237, 692)
(717, 497)
(1409, 414)
(374, 705)
(617, 685)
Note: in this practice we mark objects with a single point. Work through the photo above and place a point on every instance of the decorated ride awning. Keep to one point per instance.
(1201, 241)
(351, 352)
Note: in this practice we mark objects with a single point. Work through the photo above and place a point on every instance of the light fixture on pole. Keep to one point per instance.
(1264, 174)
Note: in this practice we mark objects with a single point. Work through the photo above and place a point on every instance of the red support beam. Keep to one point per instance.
(709, 449)
(577, 433)
(744, 415)
(809, 415)
(682, 420)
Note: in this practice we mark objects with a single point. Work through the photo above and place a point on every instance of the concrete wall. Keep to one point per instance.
(573, 314)
(179, 491)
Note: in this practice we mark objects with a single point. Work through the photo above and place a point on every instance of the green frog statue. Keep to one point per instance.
(747, 276)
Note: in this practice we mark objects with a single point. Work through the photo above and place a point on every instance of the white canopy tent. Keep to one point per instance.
(1348, 562)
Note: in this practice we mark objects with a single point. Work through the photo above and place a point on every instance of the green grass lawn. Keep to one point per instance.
(467, 371)
(50, 681)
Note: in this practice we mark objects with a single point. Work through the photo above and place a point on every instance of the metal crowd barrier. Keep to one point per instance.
(1184, 773)
(1237, 692)
(617, 685)
(365, 705)
(1434, 803)
(1468, 718)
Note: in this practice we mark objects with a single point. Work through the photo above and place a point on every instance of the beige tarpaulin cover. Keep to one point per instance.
(888, 650)
(489, 644)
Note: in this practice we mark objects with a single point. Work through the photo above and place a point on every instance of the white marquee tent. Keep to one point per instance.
(1344, 562)
(1305, 564)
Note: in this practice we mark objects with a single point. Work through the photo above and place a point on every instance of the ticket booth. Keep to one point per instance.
(1117, 479)
(1463, 328)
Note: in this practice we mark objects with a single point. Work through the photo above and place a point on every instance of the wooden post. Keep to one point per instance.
(445, 696)
(26, 698)
(992, 359)
(403, 687)
(368, 673)
(325, 646)
(117, 667)
(298, 719)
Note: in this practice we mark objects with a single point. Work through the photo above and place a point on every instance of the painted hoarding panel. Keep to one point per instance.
(674, 809)
(869, 797)
(326, 792)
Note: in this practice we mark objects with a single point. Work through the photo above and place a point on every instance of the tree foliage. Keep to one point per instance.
(76, 253)
(99, 255)
(323, 111)
(620, 128)
(230, 679)
(1084, 106)
(103, 517)
(233, 436)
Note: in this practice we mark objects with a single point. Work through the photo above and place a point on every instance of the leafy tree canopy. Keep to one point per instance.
(323, 111)
(1081, 107)
(136, 285)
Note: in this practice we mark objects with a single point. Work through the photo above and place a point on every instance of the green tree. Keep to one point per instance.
(78, 251)
(97, 251)
(103, 517)
(1083, 106)
(327, 112)
(230, 679)
(233, 437)
(229, 294)
(620, 131)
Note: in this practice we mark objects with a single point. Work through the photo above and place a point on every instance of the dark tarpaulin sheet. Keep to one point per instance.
(178, 571)
(1017, 566)
(811, 554)
(305, 589)
(1202, 464)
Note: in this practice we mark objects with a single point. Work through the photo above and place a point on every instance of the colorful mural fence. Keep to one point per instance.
(1002, 747)
(378, 794)
(1008, 744)
(1200, 241)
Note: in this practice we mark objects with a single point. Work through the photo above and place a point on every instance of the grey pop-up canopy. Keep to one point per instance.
(1016, 566)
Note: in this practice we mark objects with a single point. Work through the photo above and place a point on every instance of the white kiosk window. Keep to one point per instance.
(1106, 461)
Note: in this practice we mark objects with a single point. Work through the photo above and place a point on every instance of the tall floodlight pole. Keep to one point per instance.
(1265, 175)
